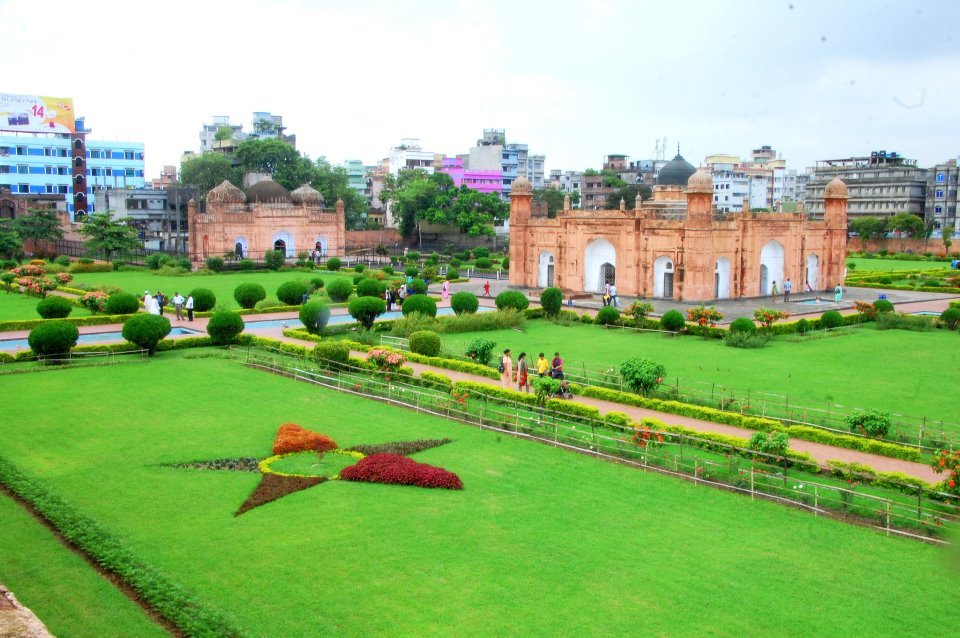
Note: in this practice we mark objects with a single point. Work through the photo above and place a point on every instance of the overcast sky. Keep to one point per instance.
(575, 81)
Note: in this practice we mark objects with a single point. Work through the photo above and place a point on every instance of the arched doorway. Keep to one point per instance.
(545, 270)
(281, 246)
(771, 267)
(283, 242)
(320, 244)
(663, 278)
(599, 263)
(813, 271)
(721, 276)
(240, 247)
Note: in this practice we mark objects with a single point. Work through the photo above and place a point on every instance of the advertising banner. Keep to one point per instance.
(36, 114)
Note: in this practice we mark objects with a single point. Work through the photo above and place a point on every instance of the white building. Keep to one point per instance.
(409, 155)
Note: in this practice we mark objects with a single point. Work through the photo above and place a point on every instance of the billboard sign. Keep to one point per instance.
(36, 114)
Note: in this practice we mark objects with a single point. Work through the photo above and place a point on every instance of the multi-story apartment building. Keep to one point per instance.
(483, 181)
(493, 153)
(880, 185)
(409, 155)
(567, 181)
(44, 163)
(940, 207)
(358, 178)
(263, 124)
(160, 214)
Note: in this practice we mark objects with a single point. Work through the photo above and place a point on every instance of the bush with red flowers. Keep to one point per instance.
(293, 438)
(393, 469)
(949, 462)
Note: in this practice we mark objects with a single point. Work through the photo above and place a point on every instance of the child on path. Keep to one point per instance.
(543, 366)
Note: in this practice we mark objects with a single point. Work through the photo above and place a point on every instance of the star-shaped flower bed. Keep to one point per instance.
(302, 458)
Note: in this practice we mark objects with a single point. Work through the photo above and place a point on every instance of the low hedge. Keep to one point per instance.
(92, 320)
(871, 446)
(163, 595)
(577, 411)
(493, 392)
(436, 381)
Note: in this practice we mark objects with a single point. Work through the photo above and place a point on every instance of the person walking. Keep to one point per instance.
(445, 291)
(523, 381)
(543, 366)
(774, 291)
(189, 307)
(486, 289)
(613, 296)
(787, 287)
(150, 303)
(178, 305)
(506, 370)
(837, 294)
(606, 294)
(161, 301)
(388, 297)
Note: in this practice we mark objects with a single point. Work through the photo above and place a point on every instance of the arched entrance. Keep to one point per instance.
(545, 270)
(320, 244)
(599, 265)
(663, 278)
(771, 267)
(240, 247)
(283, 242)
(813, 271)
(721, 276)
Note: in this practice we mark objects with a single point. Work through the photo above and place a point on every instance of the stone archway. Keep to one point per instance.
(545, 270)
(721, 274)
(322, 241)
(813, 271)
(663, 271)
(599, 253)
(771, 259)
(241, 247)
(283, 241)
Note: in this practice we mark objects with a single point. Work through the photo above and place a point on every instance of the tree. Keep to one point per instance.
(611, 179)
(41, 224)
(868, 228)
(334, 183)
(474, 212)
(108, 235)
(905, 225)
(554, 198)
(273, 156)
(947, 238)
(11, 246)
(207, 171)
(642, 375)
(223, 134)
(629, 195)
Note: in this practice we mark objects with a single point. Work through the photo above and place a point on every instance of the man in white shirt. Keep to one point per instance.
(613, 296)
(189, 307)
(178, 305)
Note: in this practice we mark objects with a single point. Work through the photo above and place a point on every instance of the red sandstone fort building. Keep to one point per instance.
(675, 246)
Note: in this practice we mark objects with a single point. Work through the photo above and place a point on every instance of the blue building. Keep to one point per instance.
(42, 164)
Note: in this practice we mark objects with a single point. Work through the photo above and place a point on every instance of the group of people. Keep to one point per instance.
(610, 297)
(154, 304)
(788, 288)
(544, 368)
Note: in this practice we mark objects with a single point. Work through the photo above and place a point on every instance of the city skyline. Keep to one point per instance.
(814, 80)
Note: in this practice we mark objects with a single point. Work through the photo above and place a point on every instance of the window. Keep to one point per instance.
(49, 188)
(22, 169)
(61, 152)
(108, 172)
(62, 170)
(939, 194)
(24, 188)
(48, 152)
(21, 150)
(940, 177)
(62, 189)
(48, 170)
(938, 209)
(128, 155)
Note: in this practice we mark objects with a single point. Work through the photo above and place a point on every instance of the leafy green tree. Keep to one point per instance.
(554, 198)
(642, 375)
(948, 233)
(905, 225)
(223, 133)
(105, 234)
(611, 179)
(334, 184)
(11, 246)
(207, 171)
(269, 155)
(40, 224)
(868, 228)
(629, 195)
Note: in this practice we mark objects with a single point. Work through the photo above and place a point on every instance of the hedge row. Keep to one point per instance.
(159, 592)
(92, 320)
(871, 446)
(437, 362)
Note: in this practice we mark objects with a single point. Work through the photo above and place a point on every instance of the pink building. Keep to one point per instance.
(483, 181)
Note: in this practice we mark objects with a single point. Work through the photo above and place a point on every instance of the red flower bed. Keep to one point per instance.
(293, 438)
(393, 469)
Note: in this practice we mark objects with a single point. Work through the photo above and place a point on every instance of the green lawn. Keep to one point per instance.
(908, 373)
(540, 541)
(222, 285)
(894, 264)
(17, 307)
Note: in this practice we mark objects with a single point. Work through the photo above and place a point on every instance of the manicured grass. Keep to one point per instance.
(540, 541)
(61, 588)
(909, 373)
(222, 285)
(894, 264)
(17, 307)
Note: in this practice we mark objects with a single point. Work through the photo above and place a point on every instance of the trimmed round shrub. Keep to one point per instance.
(483, 262)
(63, 260)
(672, 320)
(245, 264)
(334, 264)
(464, 302)
(224, 326)
(512, 299)
(552, 301)
(184, 263)
(54, 307)
(370, 287)
(146, 331)
(505, 263)
(883, 305)
(885, 281)
(273, 259)
(413, 255)
(421, 304)
(54, 337)
(608, 315)
(359, 268)
(951, 318)
(158, 260)
(425, 342)
(292, 292)
(803, 326)
(387, 270)
(331, 352)
(247, 295)
(480, 251)
(742, 324)
(122, 303)
(357, 279)
(316, 283)
(214, 263)
(831, 319)
(314, 315)
(418, 286)
(339, 290)
(452, 274)
(366, 310)
(931, 283)
(411, 271)
(203, 299)
(454, 262)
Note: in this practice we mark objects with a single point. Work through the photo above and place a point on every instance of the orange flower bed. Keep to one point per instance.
(293, 438)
